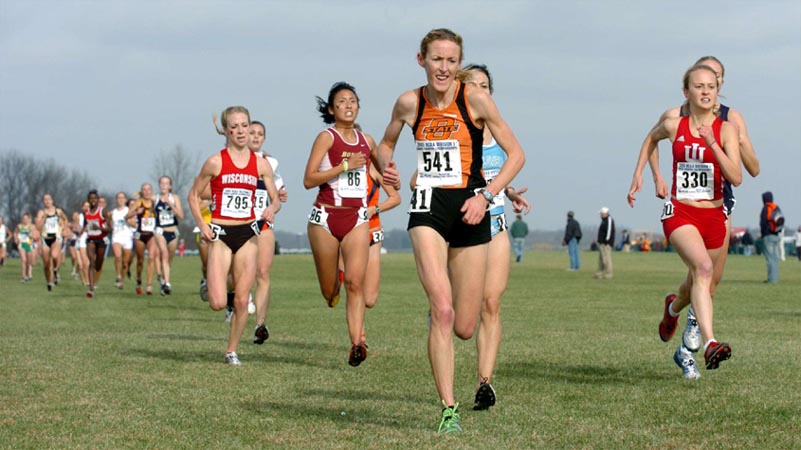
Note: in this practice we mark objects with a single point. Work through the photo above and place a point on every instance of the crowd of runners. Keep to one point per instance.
(467, 157)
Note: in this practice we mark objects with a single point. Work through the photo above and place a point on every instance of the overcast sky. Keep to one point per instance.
(107, 85)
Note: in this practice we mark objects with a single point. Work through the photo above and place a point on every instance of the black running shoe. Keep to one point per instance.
(485, 396)
(358, 353)
(261, 335)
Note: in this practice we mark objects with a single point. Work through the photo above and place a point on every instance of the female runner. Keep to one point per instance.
(233, 174)
(705, 151)
(338, 165)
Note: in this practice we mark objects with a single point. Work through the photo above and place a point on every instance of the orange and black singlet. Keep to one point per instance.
(449, 145)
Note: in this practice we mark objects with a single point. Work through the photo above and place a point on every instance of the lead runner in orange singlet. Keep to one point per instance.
(449, 221)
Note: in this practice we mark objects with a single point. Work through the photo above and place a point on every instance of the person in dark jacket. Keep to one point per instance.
(571, 239)
(606, 242)
(771, 225)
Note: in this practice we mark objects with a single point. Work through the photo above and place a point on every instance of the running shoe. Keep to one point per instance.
(232, 359)
(485, 396)
(55, 276)
(90, 293)
(692, 333)
(667, 327)
(229, 314)
(251, 306)
(167, 288)
(49, 287)
(684, 359)
(335, 299)
(149, 290)
(261, 335)
(716, 353)
(358, 353)
(138, 287)
(450, 422)
(204, 290)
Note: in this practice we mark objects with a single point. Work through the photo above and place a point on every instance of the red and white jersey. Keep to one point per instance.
(348, 188)
(95, 224)
(233, 189)
(696, 172)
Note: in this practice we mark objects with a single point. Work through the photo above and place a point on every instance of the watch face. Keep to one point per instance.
(487, 194)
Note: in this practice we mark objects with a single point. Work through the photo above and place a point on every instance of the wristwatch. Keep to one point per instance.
(377, 210)
(487, 194)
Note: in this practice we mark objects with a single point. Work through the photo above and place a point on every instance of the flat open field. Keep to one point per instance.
(581, 365)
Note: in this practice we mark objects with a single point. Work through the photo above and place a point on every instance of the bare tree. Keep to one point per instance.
(24, 179)
(178, 164)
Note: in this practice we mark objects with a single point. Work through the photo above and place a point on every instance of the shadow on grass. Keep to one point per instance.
(184, 337)
(362, 394)
(586, 373)
(175, 355)
(354, 416)
(311, 346)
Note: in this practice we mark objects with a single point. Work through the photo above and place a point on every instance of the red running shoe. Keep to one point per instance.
(715, 354)
(668, 325)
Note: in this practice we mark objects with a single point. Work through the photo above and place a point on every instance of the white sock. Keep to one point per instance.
(709, 342)
(670, 310)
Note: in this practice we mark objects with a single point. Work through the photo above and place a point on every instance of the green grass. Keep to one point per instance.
(581, 365)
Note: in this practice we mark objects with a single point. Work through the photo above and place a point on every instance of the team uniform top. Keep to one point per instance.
(165, 216)
(119, 222)
(493, 158)
(146, 221)
(3, 236)
(25, 234)
(52, 226)
(723, 114)
(348, 188)
(696, 172)
(262, 199)
(372, 200)
(233, 190)
(95, 224)
(449, 145)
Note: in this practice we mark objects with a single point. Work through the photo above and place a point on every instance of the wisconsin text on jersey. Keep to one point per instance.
(239, 178)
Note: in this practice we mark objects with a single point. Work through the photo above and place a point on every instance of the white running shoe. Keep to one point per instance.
(251, 305)
(232, 359)
(204, 290)
(691, 338)
(229, 314)
(684, 359)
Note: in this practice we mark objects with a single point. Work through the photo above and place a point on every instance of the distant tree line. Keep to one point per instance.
(24, 179)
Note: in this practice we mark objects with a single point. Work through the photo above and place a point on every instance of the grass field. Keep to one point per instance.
(581, 365)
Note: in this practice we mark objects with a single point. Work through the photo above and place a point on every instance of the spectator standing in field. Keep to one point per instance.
(771, 225)
(519, 232)
(571, 239)
(606, 242)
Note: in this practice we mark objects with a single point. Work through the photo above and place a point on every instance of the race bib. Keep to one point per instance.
(353, 183)
(148, 224)
(216, 231)
(667, 210)
(236, 203)
(421, 199)
(51, 225)
(695, 181)
(119, 226)
(377, 236)
(166, 218)
(260, 202)
(439, 163)
(318, 217)
(93, 228)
